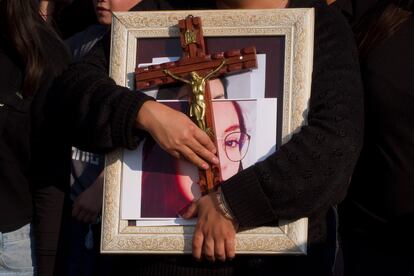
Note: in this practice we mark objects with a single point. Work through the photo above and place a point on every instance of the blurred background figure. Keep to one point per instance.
(377, 218)
(82, 42)
(68, 17)
(87, 168)
(45, 107)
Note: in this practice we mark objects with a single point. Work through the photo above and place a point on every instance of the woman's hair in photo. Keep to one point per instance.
(159, 192)
(240, 116)
(381, 23)
(225, 83)
(30, 38)
(242, 124)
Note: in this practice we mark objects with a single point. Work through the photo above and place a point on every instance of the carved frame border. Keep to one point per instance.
(297, 25)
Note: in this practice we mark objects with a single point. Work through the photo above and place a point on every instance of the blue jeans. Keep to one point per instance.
(16, 252)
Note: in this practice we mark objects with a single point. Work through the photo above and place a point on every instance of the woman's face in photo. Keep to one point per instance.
(187, 176)
(228, 129)
(228, 144)
(227, 125)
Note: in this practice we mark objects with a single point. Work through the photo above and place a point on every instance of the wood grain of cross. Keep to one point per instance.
(196, 60)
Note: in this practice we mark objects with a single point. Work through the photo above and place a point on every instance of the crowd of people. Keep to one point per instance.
(348, 170)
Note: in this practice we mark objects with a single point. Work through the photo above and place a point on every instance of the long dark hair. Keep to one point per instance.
(381, 23)
(26, 34)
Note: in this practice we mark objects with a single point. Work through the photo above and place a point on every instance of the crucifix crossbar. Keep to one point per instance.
(197, 68)
(236, 61)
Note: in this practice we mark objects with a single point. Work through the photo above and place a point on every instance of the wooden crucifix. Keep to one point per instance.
(196, 68)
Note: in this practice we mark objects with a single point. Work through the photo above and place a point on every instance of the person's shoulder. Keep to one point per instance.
(329, 21)
(81, 43)
(90, 33)
(324, 14)
(55, 51)
(334, 42)
(305, 3)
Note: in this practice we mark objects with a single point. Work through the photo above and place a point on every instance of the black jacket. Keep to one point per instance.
(306, 176)
(311, 172)
(37, 134)
(15, 195)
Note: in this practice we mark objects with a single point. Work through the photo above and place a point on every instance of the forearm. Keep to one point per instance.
(312, 171)
(99, 114)
(102, 116)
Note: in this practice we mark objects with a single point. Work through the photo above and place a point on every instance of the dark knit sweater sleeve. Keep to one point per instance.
(312, 171)
(99, 114)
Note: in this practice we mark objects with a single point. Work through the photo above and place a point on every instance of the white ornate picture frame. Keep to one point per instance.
(297, 28)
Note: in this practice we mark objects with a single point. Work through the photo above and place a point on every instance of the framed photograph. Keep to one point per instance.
(156, 187)
(143, 199)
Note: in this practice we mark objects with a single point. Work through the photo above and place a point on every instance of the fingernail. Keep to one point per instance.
(205, 166)
(215, 160)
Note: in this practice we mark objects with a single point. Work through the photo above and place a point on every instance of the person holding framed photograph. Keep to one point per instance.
(46, 107)
(307, 176)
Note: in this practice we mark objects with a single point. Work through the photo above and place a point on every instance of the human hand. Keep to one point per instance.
(177, 134)
(88, 204)
(214, 235)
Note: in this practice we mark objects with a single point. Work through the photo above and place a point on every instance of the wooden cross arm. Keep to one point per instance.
(195, 46)
(236, 61)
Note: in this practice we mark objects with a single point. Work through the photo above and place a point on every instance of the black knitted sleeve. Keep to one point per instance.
(312, 171)
(99, 114)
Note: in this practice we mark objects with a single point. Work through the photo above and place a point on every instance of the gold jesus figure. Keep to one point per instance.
(198, 101)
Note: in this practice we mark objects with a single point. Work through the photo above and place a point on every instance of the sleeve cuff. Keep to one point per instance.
(246, 199)
(124, 131)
